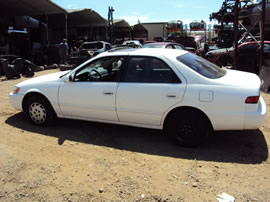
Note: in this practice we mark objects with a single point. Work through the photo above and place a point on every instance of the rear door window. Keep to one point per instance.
(149, 70)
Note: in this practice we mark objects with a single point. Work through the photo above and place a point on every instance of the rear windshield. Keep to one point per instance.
(153, 45)
(201, 66)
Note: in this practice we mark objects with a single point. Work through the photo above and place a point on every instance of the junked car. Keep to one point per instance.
(196, 25)
(169, 45)
(88, 50)
(187, 41)
(132, 44)
(248, 54)
(250, 15)
(173, 90)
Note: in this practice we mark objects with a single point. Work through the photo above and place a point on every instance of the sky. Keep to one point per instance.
(149, 10)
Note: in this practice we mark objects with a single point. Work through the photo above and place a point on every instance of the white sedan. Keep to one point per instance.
(152, 88)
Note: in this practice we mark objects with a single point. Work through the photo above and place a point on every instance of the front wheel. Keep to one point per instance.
(188, 128)
(39, 110)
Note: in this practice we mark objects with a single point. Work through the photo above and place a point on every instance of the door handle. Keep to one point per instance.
(171, 95)
(107, 92)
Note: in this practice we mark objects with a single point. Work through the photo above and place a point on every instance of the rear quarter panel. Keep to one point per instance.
(226, 109)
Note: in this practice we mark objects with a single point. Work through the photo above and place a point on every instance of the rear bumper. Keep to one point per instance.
(255, 120)
(16, 100)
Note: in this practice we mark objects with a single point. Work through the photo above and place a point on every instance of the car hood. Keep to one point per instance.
(240, 79)
(44, 78)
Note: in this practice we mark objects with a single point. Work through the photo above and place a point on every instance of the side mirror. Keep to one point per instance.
(71, 77)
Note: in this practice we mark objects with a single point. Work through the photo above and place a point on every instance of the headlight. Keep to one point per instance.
(16, 90)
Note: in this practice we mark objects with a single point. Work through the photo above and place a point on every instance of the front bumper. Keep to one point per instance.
(16, 100)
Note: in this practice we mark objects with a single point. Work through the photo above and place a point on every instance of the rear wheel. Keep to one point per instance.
(39, 110)
(188, 128)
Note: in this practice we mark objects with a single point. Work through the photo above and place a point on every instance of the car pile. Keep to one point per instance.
(248, 55)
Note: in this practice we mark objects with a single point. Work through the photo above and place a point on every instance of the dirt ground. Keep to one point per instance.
(86, 161)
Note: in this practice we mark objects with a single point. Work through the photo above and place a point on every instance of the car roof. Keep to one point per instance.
(89, 42)
(254, 42)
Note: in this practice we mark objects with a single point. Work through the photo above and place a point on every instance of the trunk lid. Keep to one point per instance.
(240, 79)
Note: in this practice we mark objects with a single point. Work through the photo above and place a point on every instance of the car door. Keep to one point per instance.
(147, 90)
(91, 93)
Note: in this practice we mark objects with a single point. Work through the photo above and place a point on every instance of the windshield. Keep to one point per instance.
(201, 66)
(95, 46)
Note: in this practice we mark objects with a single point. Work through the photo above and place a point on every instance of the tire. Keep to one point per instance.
(29, 72)
(39, 110)
(17, 72)
(9, 72)
(1, 68)
(18, 67)
(189, 128)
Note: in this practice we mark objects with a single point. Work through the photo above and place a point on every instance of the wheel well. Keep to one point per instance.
(185, 110)
(27, 96)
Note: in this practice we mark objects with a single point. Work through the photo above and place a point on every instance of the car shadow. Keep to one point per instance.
(245, 147)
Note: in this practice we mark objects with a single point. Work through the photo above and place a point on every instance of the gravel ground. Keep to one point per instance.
(86, 161)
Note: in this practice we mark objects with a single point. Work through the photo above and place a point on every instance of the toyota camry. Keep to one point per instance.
(173, 90)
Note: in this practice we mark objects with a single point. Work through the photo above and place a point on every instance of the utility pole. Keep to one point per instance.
(262, 23)
(235, 25)
(110, 23)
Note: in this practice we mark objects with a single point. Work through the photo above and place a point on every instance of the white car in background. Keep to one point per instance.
(132, 43)
(173, 90)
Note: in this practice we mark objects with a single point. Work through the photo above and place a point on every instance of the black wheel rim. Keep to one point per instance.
(185, 130)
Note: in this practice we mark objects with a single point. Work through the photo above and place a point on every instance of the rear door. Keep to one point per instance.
(149, 87)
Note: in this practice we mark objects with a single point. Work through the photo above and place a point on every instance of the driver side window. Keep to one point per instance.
(102, 70)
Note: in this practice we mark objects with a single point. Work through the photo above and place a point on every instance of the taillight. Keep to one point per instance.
(252, 100)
